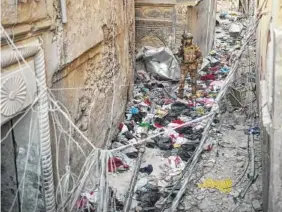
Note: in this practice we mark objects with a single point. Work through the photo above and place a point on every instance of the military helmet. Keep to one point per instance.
(187, 36)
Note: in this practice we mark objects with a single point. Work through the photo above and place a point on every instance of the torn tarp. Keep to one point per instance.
(160, 62)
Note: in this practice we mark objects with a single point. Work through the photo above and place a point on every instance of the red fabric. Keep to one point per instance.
(191, 105)
(158, 125)
(120, 126)
(147, 101)
(172, 137)
(208, 77)
(178, 121)
(115, 163)
(177, 160)
(81, 203)
(216, 68)
(168, 101)
(209, 148)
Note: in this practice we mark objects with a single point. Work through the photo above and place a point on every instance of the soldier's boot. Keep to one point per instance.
(181, 88)
(182, 83)
(194, 89)
(193, 82)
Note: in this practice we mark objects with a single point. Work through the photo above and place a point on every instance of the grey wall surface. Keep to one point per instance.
(26, 136)
(93, 54)
(203, 27)
(8, 172)
(20, 166)
(163, 23)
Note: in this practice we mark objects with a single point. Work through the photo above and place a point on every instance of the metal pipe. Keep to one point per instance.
(44, 133)
(9, 57)
(64, 11)
(133, 180)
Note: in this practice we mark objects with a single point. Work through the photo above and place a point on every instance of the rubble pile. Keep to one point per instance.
(228, 178)
(223, 179)
(165, 123)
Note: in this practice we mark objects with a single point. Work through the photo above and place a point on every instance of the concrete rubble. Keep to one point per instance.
(155, 114)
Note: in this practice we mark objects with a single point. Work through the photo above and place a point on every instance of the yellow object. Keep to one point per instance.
(199, 94)
(161, 113)
(224, 186)
(213, 52)
(212, 95)
(176, 145)
(200, 111)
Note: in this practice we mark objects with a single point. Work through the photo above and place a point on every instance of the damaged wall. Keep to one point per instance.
(269, 78)
(183, 22)
(155, 23)
(161, 23)
(102, 74)
(23, 22)
(89, 61)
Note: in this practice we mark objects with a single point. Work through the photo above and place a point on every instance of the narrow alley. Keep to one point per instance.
(141, 106)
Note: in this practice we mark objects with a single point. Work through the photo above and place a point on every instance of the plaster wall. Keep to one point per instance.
(94, 87)
(202, 24)
(183, 22)
(155, 23)
(24, 12)
(85, 21)
(161, 23)
(89, 62)
(269, 38)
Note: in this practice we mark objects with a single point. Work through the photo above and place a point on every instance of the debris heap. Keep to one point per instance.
(162, 132)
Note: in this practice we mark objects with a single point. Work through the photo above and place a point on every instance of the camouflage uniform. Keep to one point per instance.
(191, 58)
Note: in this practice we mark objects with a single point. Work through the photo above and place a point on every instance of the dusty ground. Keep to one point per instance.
(228, 159)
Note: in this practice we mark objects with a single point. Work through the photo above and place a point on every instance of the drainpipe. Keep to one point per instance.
(10, 57)
(44, 133)
(64, 11)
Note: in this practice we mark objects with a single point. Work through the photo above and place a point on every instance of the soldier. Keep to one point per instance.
(192, 59)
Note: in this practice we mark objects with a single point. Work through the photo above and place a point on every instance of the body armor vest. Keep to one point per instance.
(189, 54)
